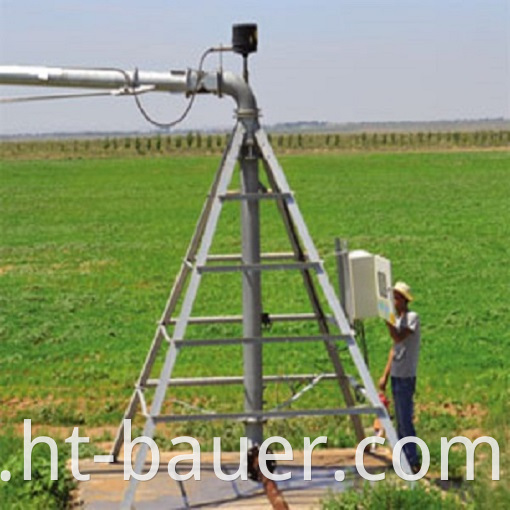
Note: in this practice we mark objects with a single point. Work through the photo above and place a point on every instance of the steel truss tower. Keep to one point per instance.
(249, 145)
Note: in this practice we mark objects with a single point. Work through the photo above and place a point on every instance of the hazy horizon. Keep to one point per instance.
(462, 125)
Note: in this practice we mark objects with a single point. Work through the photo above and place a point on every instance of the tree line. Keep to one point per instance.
(200, 143)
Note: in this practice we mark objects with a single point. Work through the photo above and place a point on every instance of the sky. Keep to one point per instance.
(321, 60)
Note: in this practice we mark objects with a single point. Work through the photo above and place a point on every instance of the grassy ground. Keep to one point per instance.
(90, 248)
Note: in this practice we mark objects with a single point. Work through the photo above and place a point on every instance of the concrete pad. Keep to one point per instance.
(105, 489)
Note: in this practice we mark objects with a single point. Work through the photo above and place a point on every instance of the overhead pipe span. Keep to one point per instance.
(185, 82)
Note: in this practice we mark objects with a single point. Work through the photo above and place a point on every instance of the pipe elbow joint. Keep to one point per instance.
(235, 86)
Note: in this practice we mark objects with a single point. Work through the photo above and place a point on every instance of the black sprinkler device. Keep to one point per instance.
(244, 42)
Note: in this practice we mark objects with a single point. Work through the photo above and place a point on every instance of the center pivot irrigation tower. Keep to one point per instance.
(250, 147)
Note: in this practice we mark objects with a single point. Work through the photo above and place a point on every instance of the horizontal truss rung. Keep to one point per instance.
(200, 342)
(231, 380)
(259, 267)
(234, 319)
(234, 257)
(255, 196)
(268, 415)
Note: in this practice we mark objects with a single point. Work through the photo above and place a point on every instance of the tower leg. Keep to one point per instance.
(333, 303)
(187, 305)
(316, 306)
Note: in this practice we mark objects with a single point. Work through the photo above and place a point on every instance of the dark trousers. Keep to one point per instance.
(403, 393)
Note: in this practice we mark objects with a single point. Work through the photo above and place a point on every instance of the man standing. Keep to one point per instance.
(402, 365)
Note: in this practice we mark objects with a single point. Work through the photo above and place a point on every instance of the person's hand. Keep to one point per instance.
(382, 383)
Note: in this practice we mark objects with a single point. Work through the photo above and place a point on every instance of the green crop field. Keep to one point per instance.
(90, 249)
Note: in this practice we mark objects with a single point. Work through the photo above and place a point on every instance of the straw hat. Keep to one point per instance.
(404, 289)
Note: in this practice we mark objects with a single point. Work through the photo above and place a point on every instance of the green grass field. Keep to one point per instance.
(90, 248)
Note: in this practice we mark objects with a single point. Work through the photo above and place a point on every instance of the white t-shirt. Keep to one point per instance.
(406, 353)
